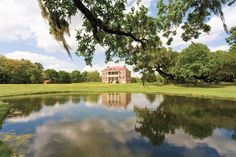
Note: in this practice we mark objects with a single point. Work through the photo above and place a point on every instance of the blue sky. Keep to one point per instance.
(24, 34)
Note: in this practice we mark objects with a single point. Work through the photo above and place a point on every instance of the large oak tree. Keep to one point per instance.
(130, 35)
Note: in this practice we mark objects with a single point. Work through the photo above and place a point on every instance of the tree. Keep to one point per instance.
(51, 75)
(148, 77)
(5, 75)
(231, 40)
(94, 76)
(195, 63)
(135, 80)
(64, 77)
(227, 66)
(84, 76)
(37, 73)
(129, 35)
(19, 71)
(76, 76)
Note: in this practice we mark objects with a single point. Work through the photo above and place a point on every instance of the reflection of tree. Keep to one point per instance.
(91, 99)
(75, 99)
(151, 97)
(155, 124)
(197, 117)
(26, 105)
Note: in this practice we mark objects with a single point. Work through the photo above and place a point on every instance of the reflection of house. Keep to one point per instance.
(120, 100)
(118, 74)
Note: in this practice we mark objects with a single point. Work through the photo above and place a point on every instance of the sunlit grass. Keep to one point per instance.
(222, 92)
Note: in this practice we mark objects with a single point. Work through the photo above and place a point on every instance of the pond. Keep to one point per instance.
(119, 125)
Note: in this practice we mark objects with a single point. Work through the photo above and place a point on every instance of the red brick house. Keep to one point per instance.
(116, 74)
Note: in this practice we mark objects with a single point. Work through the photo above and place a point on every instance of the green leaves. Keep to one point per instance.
(134, 36)
(231, 40)
(192, 14)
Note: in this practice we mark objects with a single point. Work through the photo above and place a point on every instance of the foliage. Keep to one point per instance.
(76, 76)
(131, 35)
(160, 61)
(26, 72)
(227, 68)
(17, 144)
(4, 109)
(94, 76)
(84, 76)
(19, 71)
(51, 75)
(148, 77)
(195, 63)
(197, 117)
(135, 79)
(64, 77)
(5, 150)
(231, 40)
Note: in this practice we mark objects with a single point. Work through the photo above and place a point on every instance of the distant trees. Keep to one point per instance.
(20, 71)
(64, 77)
(76, 76)
(195, 64)
(135, 79)
(26, 72)
(51, 75)
(94, 76)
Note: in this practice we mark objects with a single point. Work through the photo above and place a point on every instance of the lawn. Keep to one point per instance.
(221, 92)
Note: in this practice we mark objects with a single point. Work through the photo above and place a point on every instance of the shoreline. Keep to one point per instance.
(227, 92)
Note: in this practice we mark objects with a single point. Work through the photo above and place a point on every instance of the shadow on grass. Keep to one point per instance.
(220, 85)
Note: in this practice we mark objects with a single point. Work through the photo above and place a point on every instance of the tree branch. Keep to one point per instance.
(98, 23)
(163, 74)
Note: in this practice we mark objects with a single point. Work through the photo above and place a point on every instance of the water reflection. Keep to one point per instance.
(118, 100)
(197, 117)
(141, 125)
(91, 137)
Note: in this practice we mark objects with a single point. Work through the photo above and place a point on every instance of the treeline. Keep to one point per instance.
(195, 64)
(25, 72)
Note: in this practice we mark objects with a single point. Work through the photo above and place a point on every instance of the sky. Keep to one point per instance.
(24, 34)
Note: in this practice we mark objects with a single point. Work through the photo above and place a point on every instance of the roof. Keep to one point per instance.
(115, 68)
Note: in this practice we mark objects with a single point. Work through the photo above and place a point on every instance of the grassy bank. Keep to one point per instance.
(222, 92)
(4, 108)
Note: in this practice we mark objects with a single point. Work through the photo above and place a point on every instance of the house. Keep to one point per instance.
(116, 74)
(46, 82)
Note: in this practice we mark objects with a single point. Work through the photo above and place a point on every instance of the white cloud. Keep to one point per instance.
(218, 141)
(221, 47)
(23, 20)
(49, 62)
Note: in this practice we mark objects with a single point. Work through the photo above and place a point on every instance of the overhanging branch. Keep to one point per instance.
(98, 23)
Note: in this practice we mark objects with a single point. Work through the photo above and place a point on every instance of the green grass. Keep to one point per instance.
(4, 109)
(221, 92)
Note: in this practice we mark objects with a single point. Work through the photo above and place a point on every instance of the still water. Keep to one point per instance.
(119, 125)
